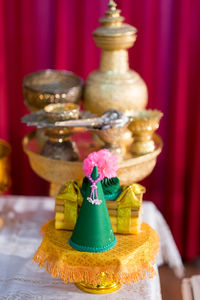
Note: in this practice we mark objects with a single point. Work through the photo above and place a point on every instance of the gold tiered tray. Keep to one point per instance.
(131, 260)
(131, 168)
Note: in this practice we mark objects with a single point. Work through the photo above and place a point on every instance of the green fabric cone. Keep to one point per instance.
(93, 231)
(111, 187)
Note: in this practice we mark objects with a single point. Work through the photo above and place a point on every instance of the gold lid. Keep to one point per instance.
(112, 17)
(112, 24)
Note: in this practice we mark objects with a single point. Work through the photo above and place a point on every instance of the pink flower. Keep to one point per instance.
(105, 161)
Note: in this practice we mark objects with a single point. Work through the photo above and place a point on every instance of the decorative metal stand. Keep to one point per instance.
(56, 150)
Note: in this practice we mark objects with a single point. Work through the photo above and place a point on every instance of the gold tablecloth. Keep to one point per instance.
(131, 260)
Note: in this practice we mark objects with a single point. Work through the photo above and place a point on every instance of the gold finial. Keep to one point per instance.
(112, 5)
(112, 15)
(112, 11)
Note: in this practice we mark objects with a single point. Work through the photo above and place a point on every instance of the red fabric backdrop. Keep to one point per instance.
(43, 34)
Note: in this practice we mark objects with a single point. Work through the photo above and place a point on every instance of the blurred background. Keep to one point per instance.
(37, 34)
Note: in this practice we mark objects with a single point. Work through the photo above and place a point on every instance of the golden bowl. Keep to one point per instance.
(116, 140)
(61, 111)
(145, 120)
(131, 169)
(5, 180)
(51, 86)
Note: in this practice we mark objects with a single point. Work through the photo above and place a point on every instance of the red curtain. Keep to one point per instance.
(43, 34)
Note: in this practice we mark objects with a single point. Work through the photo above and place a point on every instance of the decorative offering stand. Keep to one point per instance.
(121, 85)
(109, 259)
(99, 214)
(131, 260)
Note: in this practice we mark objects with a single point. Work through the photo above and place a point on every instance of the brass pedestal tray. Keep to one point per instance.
(58, 172)
(131, 260)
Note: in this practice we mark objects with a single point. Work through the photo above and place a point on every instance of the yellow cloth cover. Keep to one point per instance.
(129, 200)
(132, 258)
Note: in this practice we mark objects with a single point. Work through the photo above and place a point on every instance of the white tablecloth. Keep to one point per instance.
(21, 279)
(191, 288)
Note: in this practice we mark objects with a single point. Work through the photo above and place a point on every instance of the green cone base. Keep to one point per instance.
(93, 230)
(92, 249)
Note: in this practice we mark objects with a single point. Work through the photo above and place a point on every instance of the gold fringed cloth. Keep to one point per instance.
(131, 260)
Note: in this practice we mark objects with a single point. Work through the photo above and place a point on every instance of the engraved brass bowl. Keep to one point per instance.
(5, 180)
(51, 86)
(131, 168)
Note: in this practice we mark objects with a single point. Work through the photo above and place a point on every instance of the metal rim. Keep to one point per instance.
(27, 85)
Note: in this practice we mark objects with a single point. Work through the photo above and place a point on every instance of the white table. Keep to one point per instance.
(22, 279)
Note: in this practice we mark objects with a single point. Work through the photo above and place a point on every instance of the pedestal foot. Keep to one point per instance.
(98, 289)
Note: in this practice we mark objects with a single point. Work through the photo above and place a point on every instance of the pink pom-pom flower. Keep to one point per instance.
(105, 161)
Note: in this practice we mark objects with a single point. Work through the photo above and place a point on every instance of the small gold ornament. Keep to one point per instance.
(143, 126)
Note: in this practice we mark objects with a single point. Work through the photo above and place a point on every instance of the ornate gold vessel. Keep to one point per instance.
(5, 180)
(51, 86)
(114, 85)
(143, 126)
